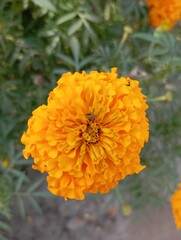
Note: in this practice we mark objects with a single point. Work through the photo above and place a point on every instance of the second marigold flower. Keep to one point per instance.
(90, 133)
(176, 206)
(164, 14)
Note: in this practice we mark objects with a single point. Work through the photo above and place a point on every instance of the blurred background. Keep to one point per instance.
(39, 41)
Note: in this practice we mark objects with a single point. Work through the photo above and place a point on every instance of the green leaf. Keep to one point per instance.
(66, 18)
(35, 185)
(75, 27)
(23, 162)
(18, 156)
(2, 237)
(5, 226)
(7, 127)
(59, 71)
(53, 44)
(91, 17)
(45, 4)
(35, 205)
(75, 47)
(19, 183)
(89, 29)
(66, 59)
(17, 173)
(11, 149)
(25, 4)
(48, 33)
(172, 42)
(146, 37)
(42, 194)
(157, 52)
(21, 206)
(86, 61)
(6, 213)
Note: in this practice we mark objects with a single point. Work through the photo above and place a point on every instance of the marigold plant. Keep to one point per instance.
(164, 14)
(176, 206)
(90, 133)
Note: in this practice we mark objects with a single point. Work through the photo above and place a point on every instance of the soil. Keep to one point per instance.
(93, 219)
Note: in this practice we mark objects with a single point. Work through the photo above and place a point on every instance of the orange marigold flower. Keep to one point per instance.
(176, 206)
(90, 133)
(164, 14)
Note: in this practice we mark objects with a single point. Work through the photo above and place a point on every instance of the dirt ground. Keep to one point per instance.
(93, 219)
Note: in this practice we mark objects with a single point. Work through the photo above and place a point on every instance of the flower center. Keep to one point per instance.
(90, 133)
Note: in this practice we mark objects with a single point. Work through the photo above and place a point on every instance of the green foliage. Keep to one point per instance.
(17, 186)
(41, 39)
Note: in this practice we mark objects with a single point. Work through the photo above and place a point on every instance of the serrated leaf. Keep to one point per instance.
(75, 47)
(18, 156)
(158, 51)
(59, 71)
(146, 37)
(25, 4)
(7, 127)
(52, 45)
(75, 27)
(5, 226)
(17, 173)
(6, 213)
(42, 194)
(66, 59)
(11, 149)
(66, 18)
(35, 205)
(89, 29)
(23, 162)
(48, 33)
(35, 185)
(172, 42)
(21, 206)
(19, 183)
(85, 61)
(45, 4)
(2, 237)
(91, 17)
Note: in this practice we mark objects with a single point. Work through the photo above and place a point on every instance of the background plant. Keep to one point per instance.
(41, 39)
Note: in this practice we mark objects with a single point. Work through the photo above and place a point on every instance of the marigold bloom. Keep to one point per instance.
(90, 133)
(176, 206)
(164, 14)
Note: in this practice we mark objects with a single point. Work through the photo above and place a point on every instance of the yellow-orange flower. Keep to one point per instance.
(90, 133)
(176, 206)
(164, 14)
